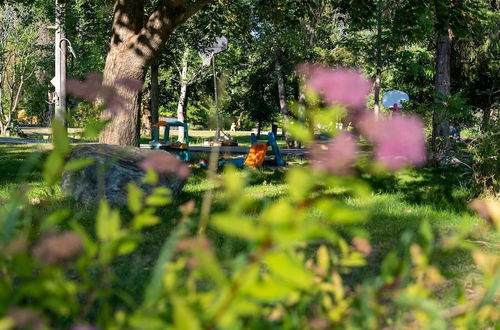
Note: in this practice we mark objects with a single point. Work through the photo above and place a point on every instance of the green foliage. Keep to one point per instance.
(297, 255)
(83, 114)
(485, 150)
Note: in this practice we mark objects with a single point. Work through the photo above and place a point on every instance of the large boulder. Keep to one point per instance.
(112, 169)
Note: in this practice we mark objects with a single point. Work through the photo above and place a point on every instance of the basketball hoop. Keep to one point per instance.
(206, 58)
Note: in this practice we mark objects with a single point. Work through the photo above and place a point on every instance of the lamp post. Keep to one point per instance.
(60, 67)
(61, 47)
(218, 46)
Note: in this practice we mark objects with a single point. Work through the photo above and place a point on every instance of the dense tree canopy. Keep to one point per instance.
(393, 42)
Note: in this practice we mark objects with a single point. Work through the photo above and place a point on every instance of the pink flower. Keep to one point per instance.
(338, 157)
(399, 141)
(92, 89)
(164, 162)
(338, 86)
(89, 89)
(488, 209)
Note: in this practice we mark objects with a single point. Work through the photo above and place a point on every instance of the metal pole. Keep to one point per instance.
(62, 89)
(216, 97)
(60, 64)
(59, 115)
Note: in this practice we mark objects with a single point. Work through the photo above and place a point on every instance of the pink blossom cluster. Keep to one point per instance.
(398, 141)
(164, 162)
(92, 89)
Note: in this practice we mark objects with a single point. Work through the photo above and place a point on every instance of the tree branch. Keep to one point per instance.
(168, 15)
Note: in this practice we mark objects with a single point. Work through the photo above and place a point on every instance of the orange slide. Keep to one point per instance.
(256, 155)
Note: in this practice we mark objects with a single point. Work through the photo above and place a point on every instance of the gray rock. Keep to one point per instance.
(113, 168)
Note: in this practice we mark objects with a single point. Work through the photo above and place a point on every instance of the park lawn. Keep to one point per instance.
(398, 203)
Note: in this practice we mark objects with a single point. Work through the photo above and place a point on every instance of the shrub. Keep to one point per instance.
(289, 263)
(485, 150)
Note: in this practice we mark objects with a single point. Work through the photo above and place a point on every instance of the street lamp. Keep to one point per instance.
(208, 55)
(59, 81)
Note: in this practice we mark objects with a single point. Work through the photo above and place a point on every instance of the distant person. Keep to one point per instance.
(395, 109)
(233, 127)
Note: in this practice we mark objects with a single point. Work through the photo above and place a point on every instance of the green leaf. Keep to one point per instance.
(269, 290)
(233, 181)
(9, 217)
(150, 178)
(153, 290)
(160, 196)
(354, 259)
(108, 223)
(94, 128)
(135, 195)
(339, 213)
(300, 132)
(237, 225)
(210, 265)
(291, 270)
(184, 317)
(128, 245)
(300, 183)
(60, 138)
(78, 164)
(426, 233)
(145, 219)
(157, 201)
(390, 266)
(53, 168)
(280, 212)
(55, 219)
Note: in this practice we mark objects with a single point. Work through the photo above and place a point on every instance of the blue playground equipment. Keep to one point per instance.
(181, 150)
(252, 159)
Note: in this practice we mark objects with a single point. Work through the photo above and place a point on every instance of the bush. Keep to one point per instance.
(485, 150)
(248, 265)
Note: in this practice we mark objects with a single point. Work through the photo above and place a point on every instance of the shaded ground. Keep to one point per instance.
(399, 202)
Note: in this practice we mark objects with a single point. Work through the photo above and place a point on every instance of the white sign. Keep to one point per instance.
(54, 81)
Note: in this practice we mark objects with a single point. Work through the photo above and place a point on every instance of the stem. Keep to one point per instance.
(206, 204)
(237, 283)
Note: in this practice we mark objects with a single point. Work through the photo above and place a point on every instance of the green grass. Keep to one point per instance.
(398, 203)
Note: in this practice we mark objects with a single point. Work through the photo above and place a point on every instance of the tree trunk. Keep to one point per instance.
(259, 129)
(181, 104)
(134, 47)
(123, 128)
(283, 106)
(155, 96)
(485, 124)
(440, 124)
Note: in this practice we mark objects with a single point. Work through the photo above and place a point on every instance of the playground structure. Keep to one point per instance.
(181, 150)
(257, 153)
(256, 156)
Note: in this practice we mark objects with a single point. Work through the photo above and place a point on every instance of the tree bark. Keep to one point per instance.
(440, 124)
(181, 104)
(281, 91)
(155, 96)
(485, 124)
(134, 47)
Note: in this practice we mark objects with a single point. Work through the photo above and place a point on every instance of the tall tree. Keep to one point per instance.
(135, 44)
(19, 50)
